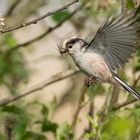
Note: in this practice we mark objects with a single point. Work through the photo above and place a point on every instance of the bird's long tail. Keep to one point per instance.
(126, 86)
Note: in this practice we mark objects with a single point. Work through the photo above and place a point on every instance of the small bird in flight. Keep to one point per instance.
(112, 46)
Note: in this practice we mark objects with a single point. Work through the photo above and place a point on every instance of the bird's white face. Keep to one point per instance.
(72, 46)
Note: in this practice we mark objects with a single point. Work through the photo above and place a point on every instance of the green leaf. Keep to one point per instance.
(137, 65)
(2, 137)
(29, 135)
(49, 126)
(45, 111)
(130, 4)
(19, 117)
(90, 136)
(12, 109)
(136, 112)
(119, 128)
(21, 127)
(63, 132)
(95, 90)
(58, 17)
(12, 70)
(10, 41)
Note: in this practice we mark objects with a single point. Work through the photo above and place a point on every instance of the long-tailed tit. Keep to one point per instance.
(112, 46)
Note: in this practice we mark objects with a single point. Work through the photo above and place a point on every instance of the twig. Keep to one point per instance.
(113, 100)
(49, 30)
(12, 7)
(53, 79)
(79, 105)
(136, 82)
(124, 9)
(124, 104)
(9, 125)
(109, 103)
(90, 113)
(39, 18)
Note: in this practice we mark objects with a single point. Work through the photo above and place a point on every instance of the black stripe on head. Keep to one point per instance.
(72, 41)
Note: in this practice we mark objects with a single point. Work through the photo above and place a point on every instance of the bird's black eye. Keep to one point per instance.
(70, 46)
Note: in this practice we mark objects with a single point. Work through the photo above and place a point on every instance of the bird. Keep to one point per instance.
(111, 47)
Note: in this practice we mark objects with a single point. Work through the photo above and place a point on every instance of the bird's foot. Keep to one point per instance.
(91, 81)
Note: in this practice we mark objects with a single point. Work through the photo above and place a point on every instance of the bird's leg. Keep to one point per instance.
(90, 81)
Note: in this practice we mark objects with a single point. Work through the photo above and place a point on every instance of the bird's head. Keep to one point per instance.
(72, 46)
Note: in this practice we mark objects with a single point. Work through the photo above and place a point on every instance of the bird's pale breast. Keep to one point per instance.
(94, 65)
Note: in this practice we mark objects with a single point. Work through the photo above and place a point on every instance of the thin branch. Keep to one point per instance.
(91, 114)
(113, 100)
(124, 9)
(110, 102)
(53, 79)
(79, 105)
(49, 30)
(39, 18)
(12, 7)
(125, 104)
(8, 126)
(136, 82)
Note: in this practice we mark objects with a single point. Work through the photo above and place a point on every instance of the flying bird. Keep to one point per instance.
(111, 47)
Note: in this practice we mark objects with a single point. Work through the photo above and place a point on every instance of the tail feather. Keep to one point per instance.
(127, 87)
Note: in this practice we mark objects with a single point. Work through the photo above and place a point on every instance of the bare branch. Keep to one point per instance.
(125, 104)
(91, 114)
(113, 100)
(123, 9)
(12, 7)
(53, 79)
(136, 82)
(79, 105)
(39, 18)
(49, 30)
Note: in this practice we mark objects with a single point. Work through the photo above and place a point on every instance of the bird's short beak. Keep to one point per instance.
(62, 51)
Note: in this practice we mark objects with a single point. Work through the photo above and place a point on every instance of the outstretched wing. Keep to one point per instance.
(117, 39)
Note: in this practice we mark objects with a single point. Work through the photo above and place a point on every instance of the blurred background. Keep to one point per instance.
(30, 62)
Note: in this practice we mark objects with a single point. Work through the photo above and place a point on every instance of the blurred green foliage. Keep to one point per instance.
(119, 128)
(137, 65)
(33, 121)
(63, 132)
(99, 8)
(130, 4)
(12, 67)
(58, 17)
(21, 121)
(122, 125)
(95, 90)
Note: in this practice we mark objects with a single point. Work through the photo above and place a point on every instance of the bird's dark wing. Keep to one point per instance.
(117, 39)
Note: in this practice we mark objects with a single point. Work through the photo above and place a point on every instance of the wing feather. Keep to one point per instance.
(117, 39)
